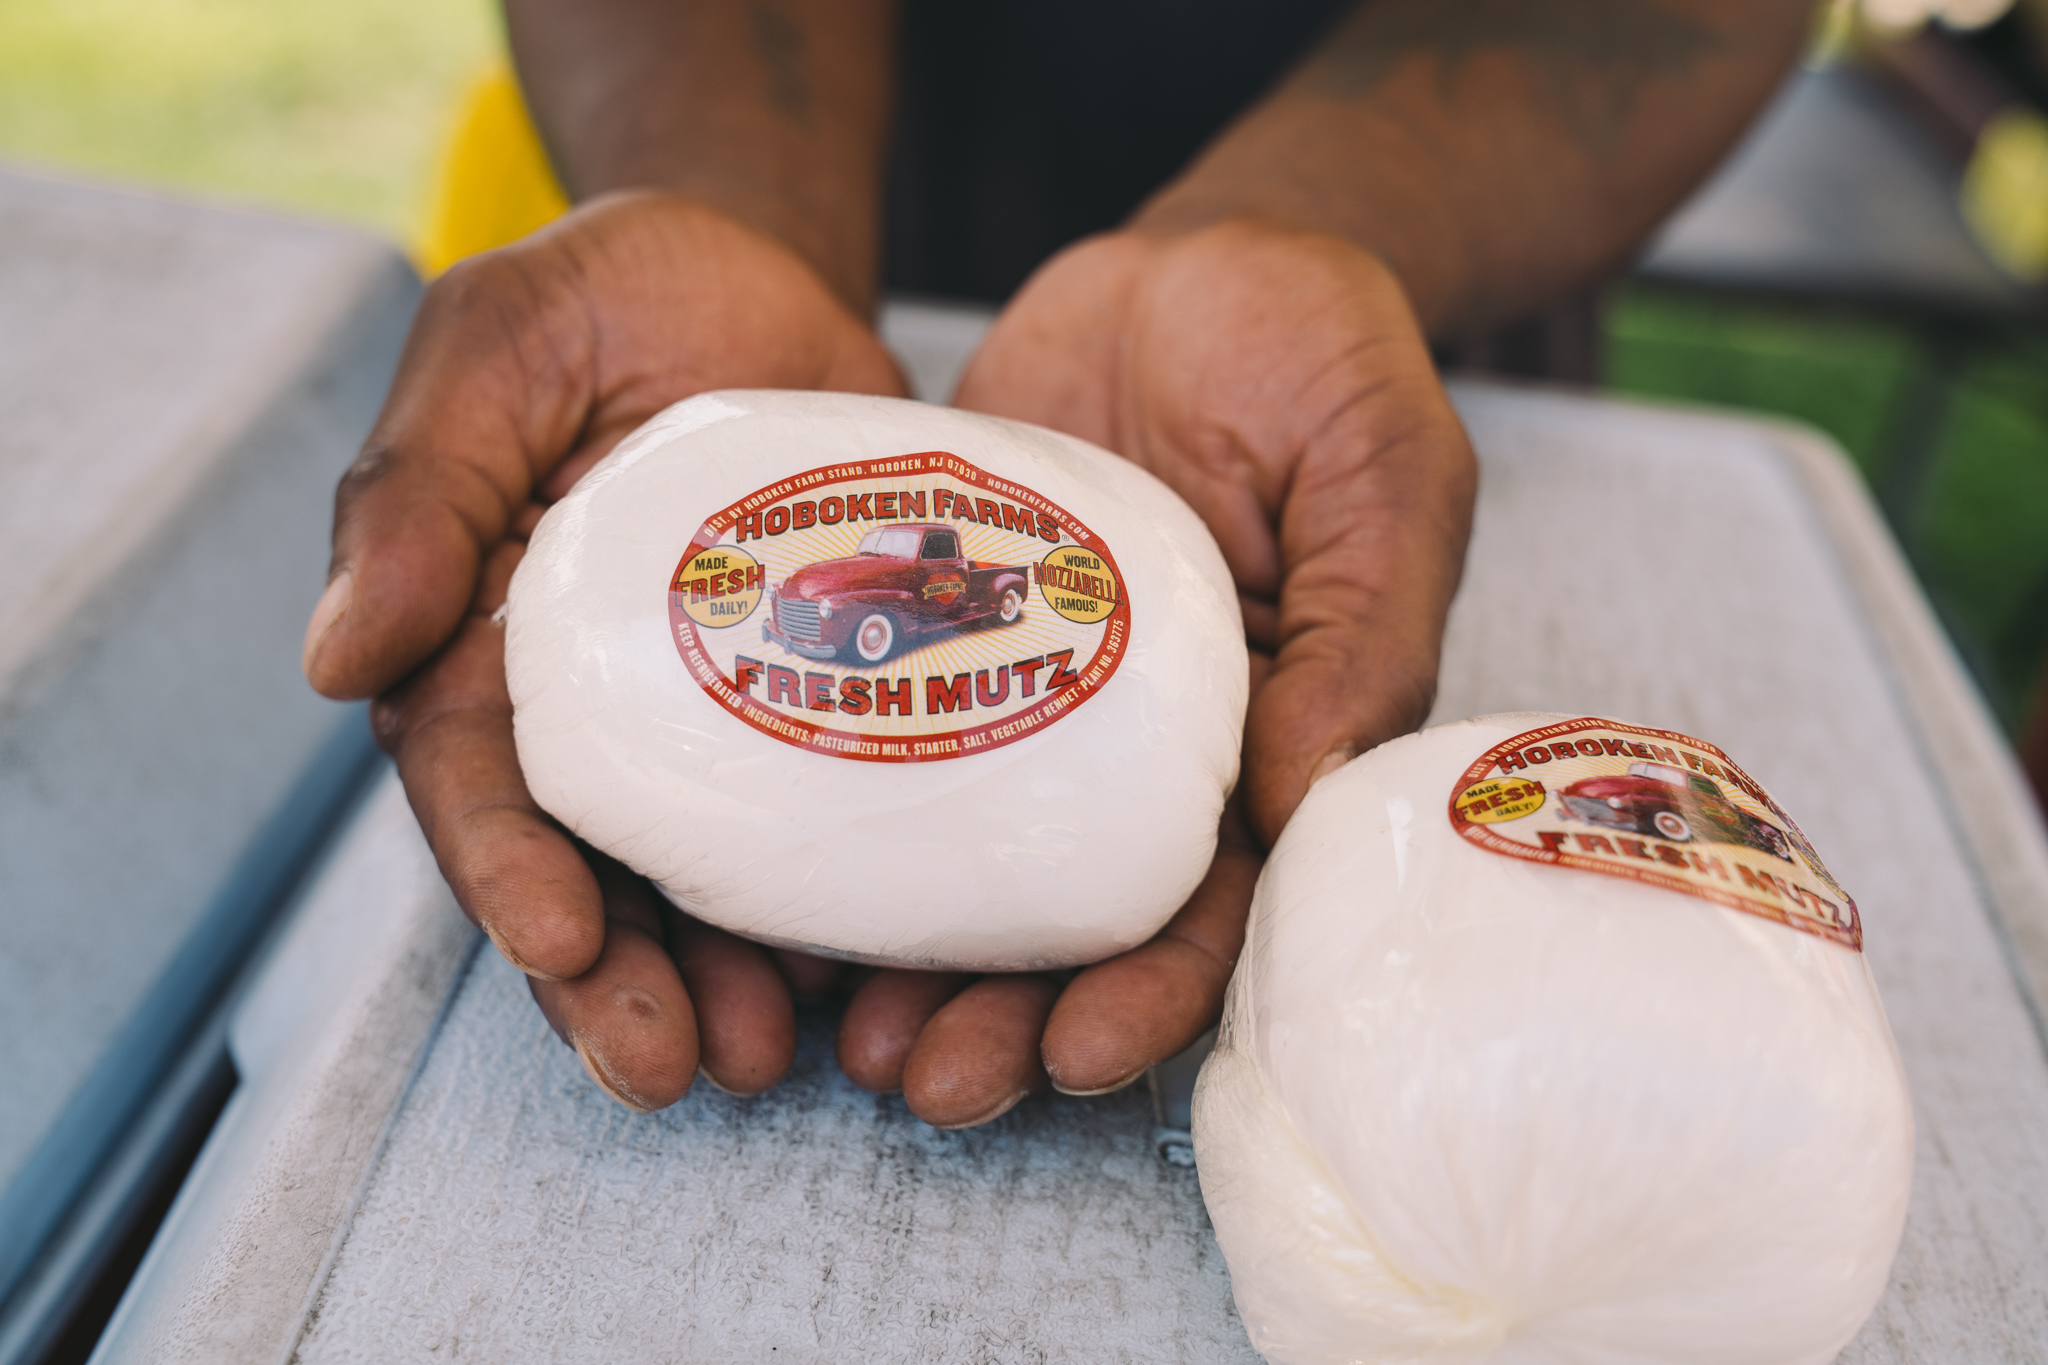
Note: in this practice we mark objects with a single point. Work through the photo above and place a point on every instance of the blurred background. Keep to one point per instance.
(337, 111)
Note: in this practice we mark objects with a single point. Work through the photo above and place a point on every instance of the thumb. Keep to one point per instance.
(470, 423)
(1372, 540)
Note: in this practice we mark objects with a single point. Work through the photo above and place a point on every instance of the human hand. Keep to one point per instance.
(523, 369)
(1277, 381)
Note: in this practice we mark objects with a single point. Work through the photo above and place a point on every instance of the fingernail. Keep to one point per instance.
(1002, 1108)
(1109, 1089)
(333, 605)
(712, 1081)
(505, 951)
(610, 1084)
(1332, 761)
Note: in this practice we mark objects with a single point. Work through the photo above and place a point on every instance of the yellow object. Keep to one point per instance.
(2005, 193)
(495, 184)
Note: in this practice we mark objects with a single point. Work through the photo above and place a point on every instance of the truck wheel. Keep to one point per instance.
(1672, 826)
(1010, 607)
(874, 636)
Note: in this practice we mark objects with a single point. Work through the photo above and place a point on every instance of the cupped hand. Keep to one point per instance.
(523, 368)
(1278, 382)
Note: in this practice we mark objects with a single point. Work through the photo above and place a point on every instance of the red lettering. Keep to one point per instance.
(699, 589)
(1641, 751)
(1666, 754)
(941, 497)
(1048, 529)
(1061, 675)
(1536, 753)
(803, 514)
(987, 513)
(718, 585)
(1666, 853)
(1593, 843)
(962, 507)
(853, 696)
(1018, 520)
(736, 582)
(940, 695)
(778, 520)
(745, 673)
(885, 505)
(996, 695)
(913, 503)
(1590, 748)
(831, 511)
(748, 526)
(1552, 840)
(818, 691)
(783, 685)
(756, 577)
(1759, 881)
(1510, 761)
(1025, 671)
(1615, 746)
(1635, 848)
(861, 507)
(895, 698)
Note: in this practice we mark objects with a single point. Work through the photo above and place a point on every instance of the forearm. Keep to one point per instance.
(773, 111)
(1495, 153)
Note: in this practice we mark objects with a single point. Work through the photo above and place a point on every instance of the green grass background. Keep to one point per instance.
(1947, 420)
(332, 109)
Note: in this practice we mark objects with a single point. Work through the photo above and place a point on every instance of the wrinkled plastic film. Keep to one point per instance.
(1472, 1106)
(883, 680)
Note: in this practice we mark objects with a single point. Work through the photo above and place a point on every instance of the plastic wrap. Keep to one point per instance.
(882, 680)
(1553, 1041)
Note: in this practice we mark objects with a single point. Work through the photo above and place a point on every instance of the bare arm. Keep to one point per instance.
(774, 112)
(1495, 153)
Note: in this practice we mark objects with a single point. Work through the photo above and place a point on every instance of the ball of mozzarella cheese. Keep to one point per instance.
(880, 750)
(1468, 1107)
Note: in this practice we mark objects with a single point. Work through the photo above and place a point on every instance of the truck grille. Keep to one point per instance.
(798, 620)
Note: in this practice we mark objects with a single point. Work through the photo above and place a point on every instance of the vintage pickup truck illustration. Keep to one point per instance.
(901, 583)
(1655, 798)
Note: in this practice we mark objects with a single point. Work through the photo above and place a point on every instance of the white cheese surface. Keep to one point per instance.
(1068, 845)
(1470, 1108)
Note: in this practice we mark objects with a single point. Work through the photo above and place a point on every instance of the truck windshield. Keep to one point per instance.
(895, 541)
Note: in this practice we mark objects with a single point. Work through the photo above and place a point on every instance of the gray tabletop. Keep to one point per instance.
(182, 385)
(1722, 577)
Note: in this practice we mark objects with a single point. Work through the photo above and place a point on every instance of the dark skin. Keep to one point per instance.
(1256, 336)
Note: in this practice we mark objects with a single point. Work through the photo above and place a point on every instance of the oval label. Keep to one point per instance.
(898, 610)
(1654, 806)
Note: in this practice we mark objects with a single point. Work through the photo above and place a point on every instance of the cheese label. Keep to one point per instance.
(1654, 806)
(898, 610)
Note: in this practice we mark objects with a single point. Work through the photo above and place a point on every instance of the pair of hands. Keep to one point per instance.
(1276, 380)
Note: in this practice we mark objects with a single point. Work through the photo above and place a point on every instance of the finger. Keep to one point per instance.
(514, 873)
(1136, 1010)
(979, 1054)
(628, 1018)
(746, 1023)
(1318, 411)
(883, 1019)
(494, 384)
(1372, 539)
(546, 351)
(809, 977)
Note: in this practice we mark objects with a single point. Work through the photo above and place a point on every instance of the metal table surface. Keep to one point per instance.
(182, 385)
(414, 1169)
